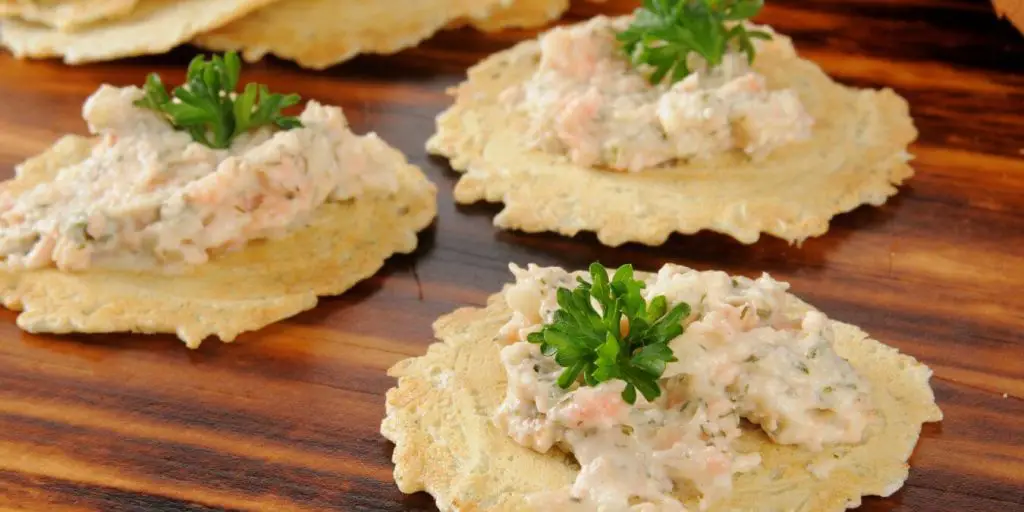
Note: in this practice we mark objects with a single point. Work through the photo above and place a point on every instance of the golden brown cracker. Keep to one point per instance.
(521, 14)
(66, 15)
(235, 292)
(857, 155)
(439, 417)
(320, 33)
(154, 26)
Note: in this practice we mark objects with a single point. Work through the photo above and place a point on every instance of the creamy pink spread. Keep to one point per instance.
(149, 195)
(747, 354)
(586, 102)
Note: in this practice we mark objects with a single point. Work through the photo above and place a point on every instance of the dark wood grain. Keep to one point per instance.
(286, 418)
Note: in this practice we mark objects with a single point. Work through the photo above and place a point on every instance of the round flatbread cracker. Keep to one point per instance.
(439, 417)
(320, 33)
(857, 154)
(153, 26)
(265, 282)
(66, 15)
(520, 14)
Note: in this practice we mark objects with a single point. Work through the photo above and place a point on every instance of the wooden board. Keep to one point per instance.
(287, 418)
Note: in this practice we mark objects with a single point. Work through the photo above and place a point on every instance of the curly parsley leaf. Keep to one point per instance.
(624, 337)
(665, 32)
(209, 107)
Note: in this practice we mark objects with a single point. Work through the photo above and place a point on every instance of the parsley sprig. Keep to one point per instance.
(209, 107)
(665, 32)
(598, 344)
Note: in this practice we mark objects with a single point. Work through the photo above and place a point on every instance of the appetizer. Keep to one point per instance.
(679, 118)
(202, 211)
(679, 390)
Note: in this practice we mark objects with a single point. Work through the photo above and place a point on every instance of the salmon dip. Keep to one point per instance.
(744, 356)
(586, 102)
(150, 196)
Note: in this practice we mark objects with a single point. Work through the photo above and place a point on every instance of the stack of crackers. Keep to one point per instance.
(313, 33)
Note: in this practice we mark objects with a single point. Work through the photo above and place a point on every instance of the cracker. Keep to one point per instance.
(857, 155)
(66, 15)
(155, 26)
(521, 14)
(439, 417)
(235, 292)
(320, 33)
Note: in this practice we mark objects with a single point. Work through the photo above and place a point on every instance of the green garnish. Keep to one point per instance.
(665, 32)
(588, 342)
(208, 106)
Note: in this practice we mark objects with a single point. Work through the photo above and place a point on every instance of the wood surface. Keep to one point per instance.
(287, 418)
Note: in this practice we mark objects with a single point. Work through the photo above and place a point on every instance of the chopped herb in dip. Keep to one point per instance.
(717, 367)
